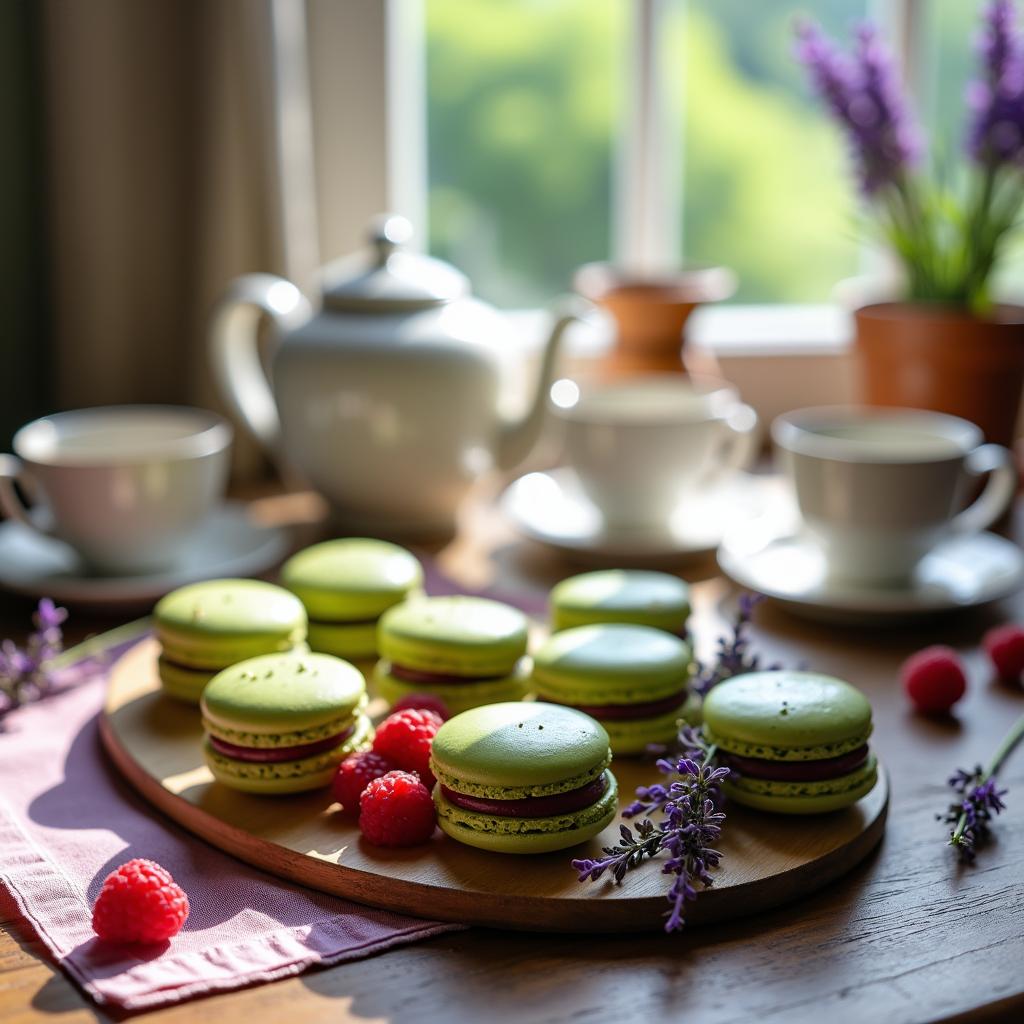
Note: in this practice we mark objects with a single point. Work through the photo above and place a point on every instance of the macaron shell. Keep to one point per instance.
(283, 693)
(519, 745)
(218, 622)
(186, 684)
(462, 636)
(611, 663)
(357, 640)
(458, 697)
(352, 578)
(527, 835)
(782, 715)
(287, 776)
(634, 736)
(813, 801)
(653, 599)
(294, 738)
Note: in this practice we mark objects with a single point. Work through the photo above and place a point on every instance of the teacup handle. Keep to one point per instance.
(12, 469)
(995, 499)
(745, 439)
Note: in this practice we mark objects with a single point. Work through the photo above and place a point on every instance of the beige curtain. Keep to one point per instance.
(165, 181)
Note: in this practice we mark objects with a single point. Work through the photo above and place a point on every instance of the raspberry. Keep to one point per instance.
(933, 679)
(355, 773)
(396, 810)
(404, 738)
(139, 902)
(1005, 647)
(423, 702)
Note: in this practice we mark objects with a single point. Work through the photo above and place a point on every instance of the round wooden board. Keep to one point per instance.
(767, 859)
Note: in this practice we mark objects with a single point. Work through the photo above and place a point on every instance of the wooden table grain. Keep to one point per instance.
(908, 936)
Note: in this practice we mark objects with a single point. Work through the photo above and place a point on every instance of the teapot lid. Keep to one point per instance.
(390, 278)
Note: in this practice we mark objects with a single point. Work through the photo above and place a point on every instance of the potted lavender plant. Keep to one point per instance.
(947, 346)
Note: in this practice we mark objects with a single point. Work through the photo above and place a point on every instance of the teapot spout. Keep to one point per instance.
(518, 437)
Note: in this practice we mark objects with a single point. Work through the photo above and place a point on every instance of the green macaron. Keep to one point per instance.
(282, 723)
(621, 595)
(467, 651)
(633, 679)
(205, 627)
(346, 585)
(798, 741)
(523, 778)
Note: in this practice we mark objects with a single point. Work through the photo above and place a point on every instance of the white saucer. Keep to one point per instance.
(772, 557)
(552, 509)
(228, 544)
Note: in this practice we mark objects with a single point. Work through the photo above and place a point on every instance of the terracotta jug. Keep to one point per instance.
(650, 312)
(945, 359)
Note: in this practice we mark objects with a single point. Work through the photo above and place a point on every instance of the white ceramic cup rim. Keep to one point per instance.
(723, 398)
(795, 432)
(193, 433)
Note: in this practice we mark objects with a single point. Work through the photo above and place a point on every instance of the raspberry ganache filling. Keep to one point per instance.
(271, 755)
(628, 712)
(532, 806)
(415, 675)
(796, 771)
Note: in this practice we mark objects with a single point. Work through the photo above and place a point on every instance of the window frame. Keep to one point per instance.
(370, 129)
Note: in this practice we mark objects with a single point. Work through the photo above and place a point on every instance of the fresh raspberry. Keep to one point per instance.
(1005, 647)
(355, 773)
(396, 810)
(139, 902)
(423, 702)
(404, 738)
(933, 679)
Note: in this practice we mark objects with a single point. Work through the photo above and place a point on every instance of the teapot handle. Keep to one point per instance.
(234, 353)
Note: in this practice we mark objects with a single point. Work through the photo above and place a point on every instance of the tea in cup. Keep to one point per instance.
(125, 486)
(640, 447)
(880, 488)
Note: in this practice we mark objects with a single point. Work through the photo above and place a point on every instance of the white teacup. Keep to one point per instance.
(641, 446)
(879, 488)
(124, 485)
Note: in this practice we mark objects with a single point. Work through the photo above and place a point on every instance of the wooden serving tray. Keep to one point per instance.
(767, 859)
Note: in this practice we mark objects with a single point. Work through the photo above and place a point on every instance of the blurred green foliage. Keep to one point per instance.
(523, 101)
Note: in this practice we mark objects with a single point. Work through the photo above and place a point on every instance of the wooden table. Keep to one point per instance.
(909, 936)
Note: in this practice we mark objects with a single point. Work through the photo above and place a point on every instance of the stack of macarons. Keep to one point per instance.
(633, 679)
(205, 627)
(465, 651)
(346, 585)
(523, 778)
(633, 596)
(282, 723)
(797, 741)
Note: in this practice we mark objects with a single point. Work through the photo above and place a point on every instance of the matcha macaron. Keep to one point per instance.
(282, 723)
(523, 778)
(798, 741)
(346, 585)
(205, 627)
(621, 595)
(633, 679)
(467, 651)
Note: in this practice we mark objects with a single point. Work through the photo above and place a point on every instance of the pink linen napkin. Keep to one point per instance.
(67, 820)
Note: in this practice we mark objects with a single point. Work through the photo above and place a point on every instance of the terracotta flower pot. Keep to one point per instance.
(934, 357)
(650, 313)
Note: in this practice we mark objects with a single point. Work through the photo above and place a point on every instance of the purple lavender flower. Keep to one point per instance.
(978, 801)
(996, 130)
(863, 93)
(24, 672)
(733, 656)
(691, 822)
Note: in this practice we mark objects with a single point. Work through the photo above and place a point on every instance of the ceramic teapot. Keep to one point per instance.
(390, 400)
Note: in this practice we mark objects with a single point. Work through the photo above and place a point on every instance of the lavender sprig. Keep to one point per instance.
(978, 799)
(733, 656)
(691, 822)
(26, 673)
(996, 131)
